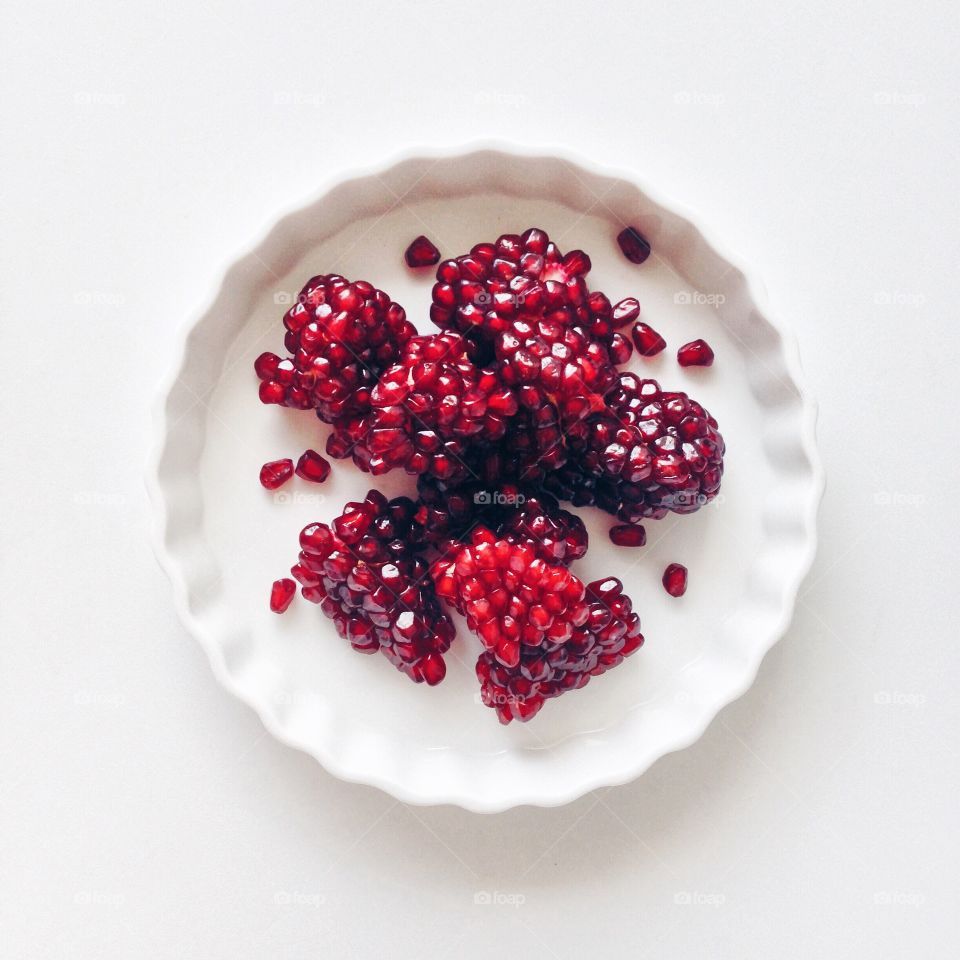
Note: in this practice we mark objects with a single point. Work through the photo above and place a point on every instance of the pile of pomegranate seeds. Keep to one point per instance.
(514, 405)
(544, 632)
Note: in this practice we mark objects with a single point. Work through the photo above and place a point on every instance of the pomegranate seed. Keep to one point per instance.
(311, 466)
(281, 594)
(635, 248)
(628, 535)
(626, 311)
(675, 579)
(647, 341)
(276, 473)
(697, 353)
(272, 392)
(266, 366)
(421, 253)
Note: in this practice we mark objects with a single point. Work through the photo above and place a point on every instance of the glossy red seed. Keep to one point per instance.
(647, 341)
(624, 312)
(421, 253)
(265, 366)
(697, 353)
(311, 466)
(272, 392)
(628, 535)
(675, 579)
(281, 594)
(276, 473)
(635, 248)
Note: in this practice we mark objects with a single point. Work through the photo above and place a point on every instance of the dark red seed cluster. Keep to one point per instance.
(340, 337)
(543, 630)
(651, 453)
(515, 405)
(426, 411)
(367, 577)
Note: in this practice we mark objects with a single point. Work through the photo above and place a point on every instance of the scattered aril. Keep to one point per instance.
(311, 466)
(675, 579)
(635, 248)
(647, 341)
(626, 311)
(697, 353)
(281, 594)
(628, 535)
(276, 473)
(421, 253)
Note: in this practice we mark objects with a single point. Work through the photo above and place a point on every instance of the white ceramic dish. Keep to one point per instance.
(222, 539)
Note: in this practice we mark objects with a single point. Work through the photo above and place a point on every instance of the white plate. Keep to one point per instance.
(223, 540)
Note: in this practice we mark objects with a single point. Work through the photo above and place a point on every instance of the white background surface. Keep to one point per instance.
(145, 813)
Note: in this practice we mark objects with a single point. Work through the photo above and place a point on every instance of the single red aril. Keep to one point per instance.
(311, 466)
(272, 392)
(647, 341)
(276, 473)
(281, 594)
(628, 535)
(635, 248)
(697, 353)
(626, 311)
(675, 579)
(266, 365)
(421, 253)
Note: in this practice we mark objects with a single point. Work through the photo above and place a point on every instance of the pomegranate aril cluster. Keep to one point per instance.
(340, 337)
(365, 573)
(426, 411)
(651, 452)
(514, 405)
(543, 630)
